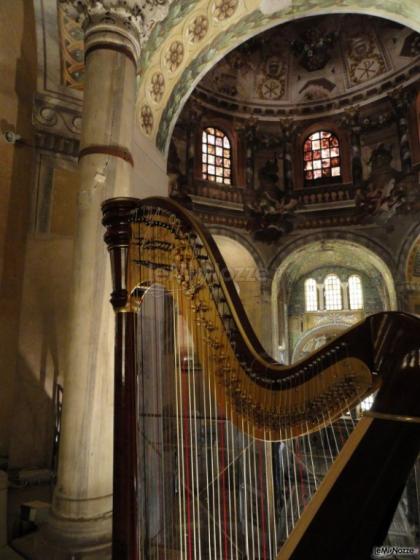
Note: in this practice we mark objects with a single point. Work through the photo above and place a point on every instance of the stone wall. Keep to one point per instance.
(17, 86)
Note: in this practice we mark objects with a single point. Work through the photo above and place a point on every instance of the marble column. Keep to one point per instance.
(345, 292)
(82, 504)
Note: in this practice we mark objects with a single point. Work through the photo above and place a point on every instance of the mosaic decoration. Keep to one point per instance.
(256, 72)
(72, 50)
(247, 20)
(416, 265)
(178, 11)
(413, 263)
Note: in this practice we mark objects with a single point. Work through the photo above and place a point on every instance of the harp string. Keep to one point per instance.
(223, 493)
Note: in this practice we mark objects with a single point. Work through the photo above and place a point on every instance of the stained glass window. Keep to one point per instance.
(216, 156)
(355, 292)
(311, 295)
(321, 158)
(332, 292)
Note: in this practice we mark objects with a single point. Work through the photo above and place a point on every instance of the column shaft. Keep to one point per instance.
(83, 495)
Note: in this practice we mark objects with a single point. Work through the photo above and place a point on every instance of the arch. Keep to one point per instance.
(334, 235)
(245, 275)
(239, 261)
(294, 251)
(327, 329)
(245, 242)
(205, 34)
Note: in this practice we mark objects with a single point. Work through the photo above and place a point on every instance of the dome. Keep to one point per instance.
(314, 65)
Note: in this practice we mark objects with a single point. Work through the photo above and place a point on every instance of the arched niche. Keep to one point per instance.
(315, 338)
(326, 254)
(246, 276)
(195, 35)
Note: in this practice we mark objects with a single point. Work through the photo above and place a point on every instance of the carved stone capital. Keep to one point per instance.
(130, 19)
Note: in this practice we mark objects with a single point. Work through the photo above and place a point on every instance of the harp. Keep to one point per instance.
(218, 448)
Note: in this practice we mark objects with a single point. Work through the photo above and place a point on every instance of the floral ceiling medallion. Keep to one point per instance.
(146, 119)
(175, 56)
(224, 9)
(197, 30)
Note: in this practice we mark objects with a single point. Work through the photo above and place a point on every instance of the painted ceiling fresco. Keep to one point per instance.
(312, 60)
(196, 33)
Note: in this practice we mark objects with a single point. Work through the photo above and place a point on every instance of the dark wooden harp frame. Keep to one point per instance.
(369, 474)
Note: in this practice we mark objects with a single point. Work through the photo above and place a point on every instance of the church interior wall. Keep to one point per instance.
(18, 66)
(146, 156)
(387, 135)
(300, 321)
(245, 274)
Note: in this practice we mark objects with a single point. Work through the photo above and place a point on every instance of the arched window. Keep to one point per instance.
(355, 292)
(216, 156)
(321, 158)
(332, 292)
(311, 295)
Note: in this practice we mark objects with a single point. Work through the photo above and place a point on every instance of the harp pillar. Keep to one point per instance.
(81, 517)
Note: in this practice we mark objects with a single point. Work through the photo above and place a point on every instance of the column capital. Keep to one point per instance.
(131, 20)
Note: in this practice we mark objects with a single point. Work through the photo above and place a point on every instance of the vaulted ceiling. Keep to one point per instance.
(314, 64)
